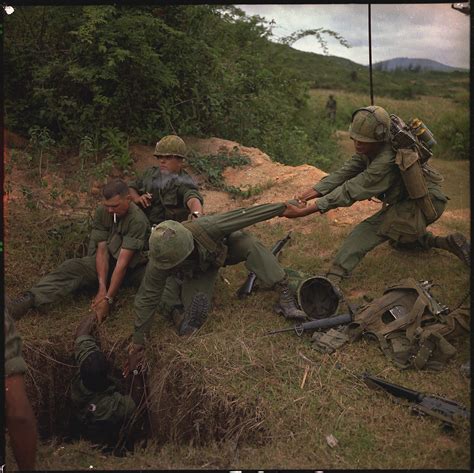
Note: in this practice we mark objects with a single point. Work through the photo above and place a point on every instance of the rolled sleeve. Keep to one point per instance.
(100, 229)
(192, 194)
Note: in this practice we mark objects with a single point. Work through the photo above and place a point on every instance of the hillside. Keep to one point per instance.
(414, 64)
(229, 397)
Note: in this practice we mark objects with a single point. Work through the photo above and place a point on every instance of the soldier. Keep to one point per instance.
(120, 233)
(19, 418)
(372, 172)
(331, 106)
(167, 192)
(192, 253)
(100, 410)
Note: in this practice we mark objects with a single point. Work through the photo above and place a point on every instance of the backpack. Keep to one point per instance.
(413, 329)
(412, 144)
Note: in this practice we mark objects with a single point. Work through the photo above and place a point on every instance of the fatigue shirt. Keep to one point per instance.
(109, 404)
(14, 362)
(169, 191)
(361, 178)
(217, 227)
(131, 232)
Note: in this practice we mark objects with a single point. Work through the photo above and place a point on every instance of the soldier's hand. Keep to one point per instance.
(136, 357)
(102, 310)
(308, 195)
(99, 297)
(292, 211)
(144, 200)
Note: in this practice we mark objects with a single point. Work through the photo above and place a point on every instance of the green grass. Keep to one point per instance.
(245, 392)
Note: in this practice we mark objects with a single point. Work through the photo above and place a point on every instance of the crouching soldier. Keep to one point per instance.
(101, 413)
(184, 261)
(375, 171)
(119, 236)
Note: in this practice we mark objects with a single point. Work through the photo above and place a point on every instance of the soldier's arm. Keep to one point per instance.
(191, 196)
(375, 180)
(20, 422)
(147, 300)
(102, 268)
(224, 224)
(123, 262)
(351, 168)
(138, 192)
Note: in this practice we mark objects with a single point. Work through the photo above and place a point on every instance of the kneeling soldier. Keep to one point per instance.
(184, 261)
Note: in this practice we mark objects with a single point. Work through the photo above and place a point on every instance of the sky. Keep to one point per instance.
(428, 31)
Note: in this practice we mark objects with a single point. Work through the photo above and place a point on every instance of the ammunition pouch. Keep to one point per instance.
(408, 161)
(218, 250)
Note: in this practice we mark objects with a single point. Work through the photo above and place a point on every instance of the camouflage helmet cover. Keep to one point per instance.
(370, 124)
(170, 244)
(171, 145)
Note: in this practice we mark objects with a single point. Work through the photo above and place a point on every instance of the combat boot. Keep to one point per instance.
(455, 243)
(195, 315)
(286, 305)
(19, 307)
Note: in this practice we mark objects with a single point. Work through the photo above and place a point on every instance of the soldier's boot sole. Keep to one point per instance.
(21, 305)
(460, 247)
(195, 315)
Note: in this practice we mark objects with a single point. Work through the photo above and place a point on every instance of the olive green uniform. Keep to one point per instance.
(108, 409)
(400, 218)
(14, 362)
(169, 191)
(167, 289)
(131, 232)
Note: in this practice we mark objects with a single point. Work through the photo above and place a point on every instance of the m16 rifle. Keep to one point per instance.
(247, 288)
(449, 412)
(320, 324)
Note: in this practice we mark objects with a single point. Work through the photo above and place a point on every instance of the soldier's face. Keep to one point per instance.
(170, 164)
(369, 149)
(117, 205)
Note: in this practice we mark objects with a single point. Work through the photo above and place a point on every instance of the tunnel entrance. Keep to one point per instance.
(181, 408)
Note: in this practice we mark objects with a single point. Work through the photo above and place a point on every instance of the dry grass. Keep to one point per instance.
(229, 397)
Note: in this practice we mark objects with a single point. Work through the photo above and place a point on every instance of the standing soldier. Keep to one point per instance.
(119, 237)
(184, 261)
(373, 172)
(331, 106)
(166, 191)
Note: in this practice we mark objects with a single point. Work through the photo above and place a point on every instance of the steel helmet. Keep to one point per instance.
(170, 244)
(370, 124)
(171, 145)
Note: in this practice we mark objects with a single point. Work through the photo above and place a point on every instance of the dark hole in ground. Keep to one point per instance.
(182, 408)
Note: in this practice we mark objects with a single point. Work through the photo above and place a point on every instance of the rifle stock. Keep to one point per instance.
(449, 412)
(247, 287)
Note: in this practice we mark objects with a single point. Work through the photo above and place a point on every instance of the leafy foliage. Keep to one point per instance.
(113, 73)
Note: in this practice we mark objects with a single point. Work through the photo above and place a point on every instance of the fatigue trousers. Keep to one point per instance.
(75, 274)
(365, 237)
(242, 247)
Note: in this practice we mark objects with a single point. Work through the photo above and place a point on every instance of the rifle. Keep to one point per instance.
(246, 288)
(449, 412)
(328, 322)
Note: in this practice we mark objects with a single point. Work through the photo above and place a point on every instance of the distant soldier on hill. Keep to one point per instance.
(183, 265)
(373, 172)
(331, 107)
(119, 237)
(166, 191)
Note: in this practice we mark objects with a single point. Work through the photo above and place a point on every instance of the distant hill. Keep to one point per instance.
(414, 64)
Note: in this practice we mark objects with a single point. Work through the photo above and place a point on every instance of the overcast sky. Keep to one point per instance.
(429, 31)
